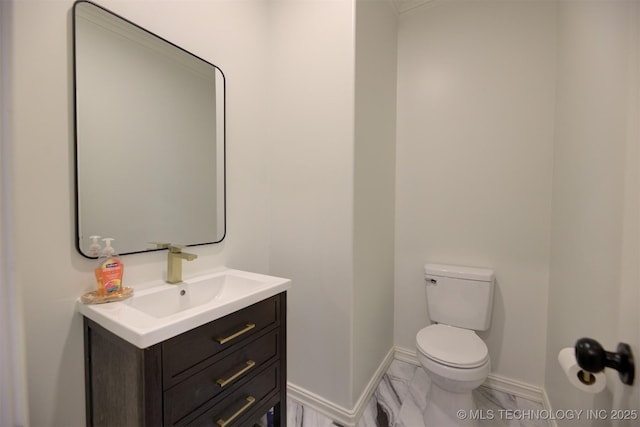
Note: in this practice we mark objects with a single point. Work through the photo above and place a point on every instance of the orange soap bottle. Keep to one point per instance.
(109, 271)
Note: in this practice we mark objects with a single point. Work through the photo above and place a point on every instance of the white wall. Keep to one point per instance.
(50, 274)
(311, 115)
(374, 188)
(594, 253)
(474, 158)
(332, 95)
(13, 410)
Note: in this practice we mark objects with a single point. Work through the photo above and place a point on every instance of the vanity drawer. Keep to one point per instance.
(195, 391)
(242, 405)
(193, 347)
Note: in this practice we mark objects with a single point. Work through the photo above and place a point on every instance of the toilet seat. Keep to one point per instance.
(452, 346)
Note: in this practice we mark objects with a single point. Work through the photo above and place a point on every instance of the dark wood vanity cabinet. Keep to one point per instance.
(228, 372)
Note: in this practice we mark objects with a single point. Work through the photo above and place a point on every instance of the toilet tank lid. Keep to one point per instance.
(459, 272)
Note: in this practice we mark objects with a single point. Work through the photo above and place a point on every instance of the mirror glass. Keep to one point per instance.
(150, 135)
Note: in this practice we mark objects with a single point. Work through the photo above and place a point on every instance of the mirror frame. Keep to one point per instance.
(222, 210)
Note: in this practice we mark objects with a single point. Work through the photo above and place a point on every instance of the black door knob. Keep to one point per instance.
(593, 358)
(590, 355)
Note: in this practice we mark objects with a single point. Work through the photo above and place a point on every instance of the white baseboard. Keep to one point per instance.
(319, 404)
(343, 416)
(406, 355)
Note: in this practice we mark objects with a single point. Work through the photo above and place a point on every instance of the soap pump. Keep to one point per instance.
(94, 249)
(108, 249)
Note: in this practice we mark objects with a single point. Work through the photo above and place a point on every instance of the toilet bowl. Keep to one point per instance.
(453, 356)
(457, 362)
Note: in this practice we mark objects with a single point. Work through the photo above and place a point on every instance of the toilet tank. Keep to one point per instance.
(459, 296)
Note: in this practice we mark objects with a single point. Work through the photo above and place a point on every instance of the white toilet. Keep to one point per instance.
(460, 300)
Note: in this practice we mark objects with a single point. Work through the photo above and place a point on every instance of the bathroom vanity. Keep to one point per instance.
(228, 372)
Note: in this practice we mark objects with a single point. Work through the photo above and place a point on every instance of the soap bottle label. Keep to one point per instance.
(111, 275)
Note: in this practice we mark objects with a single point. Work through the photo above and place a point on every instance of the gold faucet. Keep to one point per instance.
(174, 263)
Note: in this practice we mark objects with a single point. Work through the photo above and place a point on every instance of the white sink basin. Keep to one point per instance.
(173, 299)
(163, 311)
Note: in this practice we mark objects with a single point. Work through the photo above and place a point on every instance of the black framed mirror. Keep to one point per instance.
(149, 137)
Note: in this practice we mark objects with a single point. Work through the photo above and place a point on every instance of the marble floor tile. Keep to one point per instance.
(418, 389)
(504, 407)
(304, 416)
(369, 417)
(401, 397)
(401, 372)
(410, 415)
(388, 399)
(488, 398)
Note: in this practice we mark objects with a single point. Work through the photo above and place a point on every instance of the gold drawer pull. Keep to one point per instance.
(250, 401)
(249, 327)
(250, 364)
